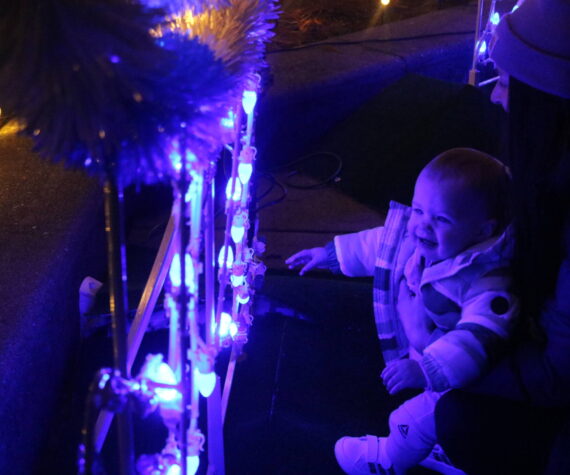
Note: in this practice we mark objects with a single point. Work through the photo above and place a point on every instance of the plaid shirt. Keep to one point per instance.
(393, 341)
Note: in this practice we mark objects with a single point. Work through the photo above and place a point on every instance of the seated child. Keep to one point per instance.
(442, 302)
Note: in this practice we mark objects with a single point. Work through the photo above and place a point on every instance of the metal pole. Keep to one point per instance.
(116, 260)
(474, 73)
(215, 426)
(140, 323)
(210, 261)
(184, 333)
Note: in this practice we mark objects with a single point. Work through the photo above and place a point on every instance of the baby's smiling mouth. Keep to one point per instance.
(426, 242)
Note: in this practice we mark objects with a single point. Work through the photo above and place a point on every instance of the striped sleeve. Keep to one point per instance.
(393, 341)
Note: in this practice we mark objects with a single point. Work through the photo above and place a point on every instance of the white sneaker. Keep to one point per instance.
(438, 461)
(359, 456)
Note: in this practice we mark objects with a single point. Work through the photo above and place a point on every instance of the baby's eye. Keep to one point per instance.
(417, 211)
(443, 219)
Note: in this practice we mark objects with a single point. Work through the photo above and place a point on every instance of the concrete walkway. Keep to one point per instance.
(317, 85)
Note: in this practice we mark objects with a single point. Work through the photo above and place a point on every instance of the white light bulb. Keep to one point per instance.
(237, 280)
(206, 382)
(175, 271)
(227, 326)
(244, 172)
(228, 121)
(237, 190)
(495, 18)
(385, 2)
(174, 470)
(237, 232)
(229, 257)
(192, 463)
(248, 101)
(158, 371)
(225, 322)
(165, 375)
(483, 48)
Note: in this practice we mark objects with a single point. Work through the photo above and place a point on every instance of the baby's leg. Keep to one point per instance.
(412, 431)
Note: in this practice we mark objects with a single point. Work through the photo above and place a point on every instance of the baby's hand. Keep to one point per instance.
(309, 259)
(403, 374)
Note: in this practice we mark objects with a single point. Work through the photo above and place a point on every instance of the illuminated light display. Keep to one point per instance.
(206, 382)
(174, 99)
(223, 260)
(248, 101)
(238, 228)
(235, 185)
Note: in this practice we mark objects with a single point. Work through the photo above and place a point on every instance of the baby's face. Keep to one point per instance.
(446, 219)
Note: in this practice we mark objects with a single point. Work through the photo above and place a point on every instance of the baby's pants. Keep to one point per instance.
(412, 431)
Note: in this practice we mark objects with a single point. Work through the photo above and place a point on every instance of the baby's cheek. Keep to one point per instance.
(411, 225)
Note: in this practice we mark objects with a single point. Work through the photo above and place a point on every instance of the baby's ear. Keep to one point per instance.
(489, 228)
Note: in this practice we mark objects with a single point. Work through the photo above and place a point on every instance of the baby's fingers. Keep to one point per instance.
(388, 371)
(298, 258)
(396, 388)
(308, 266)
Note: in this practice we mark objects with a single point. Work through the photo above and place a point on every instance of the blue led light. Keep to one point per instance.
(229, 257)
(236, 187)
(227, 326)
(175, 271)
(228, 121)
(248, 101)
(206, 382)
(244, 172)
(237, 232)
(176, 158)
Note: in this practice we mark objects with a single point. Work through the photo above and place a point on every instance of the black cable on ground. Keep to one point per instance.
(297, 163)
(372, 40)
(332, 177)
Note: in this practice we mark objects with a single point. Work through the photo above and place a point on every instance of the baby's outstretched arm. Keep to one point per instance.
(315, 258)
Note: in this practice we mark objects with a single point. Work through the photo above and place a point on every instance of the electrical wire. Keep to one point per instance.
(275, 182)
(331, 178)
(371, 41)
(307, 158)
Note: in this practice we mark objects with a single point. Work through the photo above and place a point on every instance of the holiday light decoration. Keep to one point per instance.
(137, 107)
(484, 31)
(234, 190)
(226, 257)
(236, 258)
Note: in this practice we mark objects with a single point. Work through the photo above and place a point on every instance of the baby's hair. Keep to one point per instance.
(477, 172)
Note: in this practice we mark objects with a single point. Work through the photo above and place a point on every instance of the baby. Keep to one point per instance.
(442, 300)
